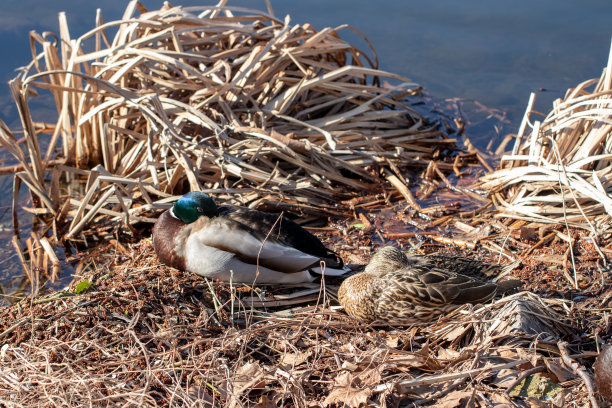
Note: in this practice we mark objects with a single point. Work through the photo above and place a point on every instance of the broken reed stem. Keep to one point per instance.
(436, 379)
(570, 243)
(404, 191)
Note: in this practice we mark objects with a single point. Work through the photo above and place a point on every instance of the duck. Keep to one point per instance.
(238, 244)
(603, 372)
(406, 289)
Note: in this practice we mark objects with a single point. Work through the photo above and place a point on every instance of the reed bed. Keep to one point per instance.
(559, 171)
(143, 334)
(226, 100)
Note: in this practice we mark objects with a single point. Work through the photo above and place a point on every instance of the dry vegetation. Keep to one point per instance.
(560, 171)
(278, 116)
(145, 334)
(234, 102)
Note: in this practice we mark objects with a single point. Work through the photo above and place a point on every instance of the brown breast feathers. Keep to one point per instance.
(165, 232)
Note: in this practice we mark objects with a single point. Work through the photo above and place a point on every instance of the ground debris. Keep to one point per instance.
(147, 335)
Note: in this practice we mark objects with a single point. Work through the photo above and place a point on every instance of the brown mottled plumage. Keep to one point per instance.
(402, 289)
(603, 373)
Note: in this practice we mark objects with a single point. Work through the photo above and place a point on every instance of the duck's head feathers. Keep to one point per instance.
(387, 259)
(165, 233)
(193, 205)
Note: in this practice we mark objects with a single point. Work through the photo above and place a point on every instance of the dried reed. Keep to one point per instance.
(228, 100)
(560, 169)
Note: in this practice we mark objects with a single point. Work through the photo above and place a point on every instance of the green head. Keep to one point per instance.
(193, 205)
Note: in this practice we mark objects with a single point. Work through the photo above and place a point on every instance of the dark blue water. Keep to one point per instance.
(495, 52)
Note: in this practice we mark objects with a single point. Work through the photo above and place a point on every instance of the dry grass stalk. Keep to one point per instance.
(561, 171)
(221, 99)
(146, 335)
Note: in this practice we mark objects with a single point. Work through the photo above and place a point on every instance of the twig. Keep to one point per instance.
(580, 371)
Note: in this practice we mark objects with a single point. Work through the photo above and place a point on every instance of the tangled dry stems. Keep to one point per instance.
(559, 169)
(147, 335)
(222, 99)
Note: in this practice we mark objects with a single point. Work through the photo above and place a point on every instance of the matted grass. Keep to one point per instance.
(147, 335)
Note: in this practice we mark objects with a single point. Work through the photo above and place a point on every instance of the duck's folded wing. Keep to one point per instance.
(436, 287)
(465, 266)
(252, 249)
(282, 230)
(457, 288)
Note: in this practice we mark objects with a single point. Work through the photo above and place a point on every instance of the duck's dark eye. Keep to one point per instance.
(200, 210)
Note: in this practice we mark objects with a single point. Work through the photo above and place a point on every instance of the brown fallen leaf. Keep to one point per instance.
(347, 365)
(557, 367)
(295, 359)
(248, 376)
(265, 402)
(453, 356)
(201, 394)
(527, 355)
(345, 395)
(507, 353)
(392, 341)
(505, 378)
(500, 400)
(371, 376)
(455, 399)
(536, 403)
(455, 333)
(407, 360)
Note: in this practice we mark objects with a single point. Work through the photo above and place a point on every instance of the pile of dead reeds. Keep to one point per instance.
(144, 334)
(560, 169)
(222, 99)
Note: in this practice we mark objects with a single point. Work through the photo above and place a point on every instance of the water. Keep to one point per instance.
(495, 52)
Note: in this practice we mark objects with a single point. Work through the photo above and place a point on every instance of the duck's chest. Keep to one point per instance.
(166, 231)
(207, 260)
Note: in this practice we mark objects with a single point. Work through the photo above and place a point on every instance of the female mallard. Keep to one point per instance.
(404, 289)
(238, 243)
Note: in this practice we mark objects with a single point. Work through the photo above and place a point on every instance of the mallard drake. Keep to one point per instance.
(239, 244)
(603, 372)
(402, 289)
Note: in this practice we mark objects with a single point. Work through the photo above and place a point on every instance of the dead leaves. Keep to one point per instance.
(265, 402)
(249, 376)
(295, 359)
(346, 393)
(455, 399)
